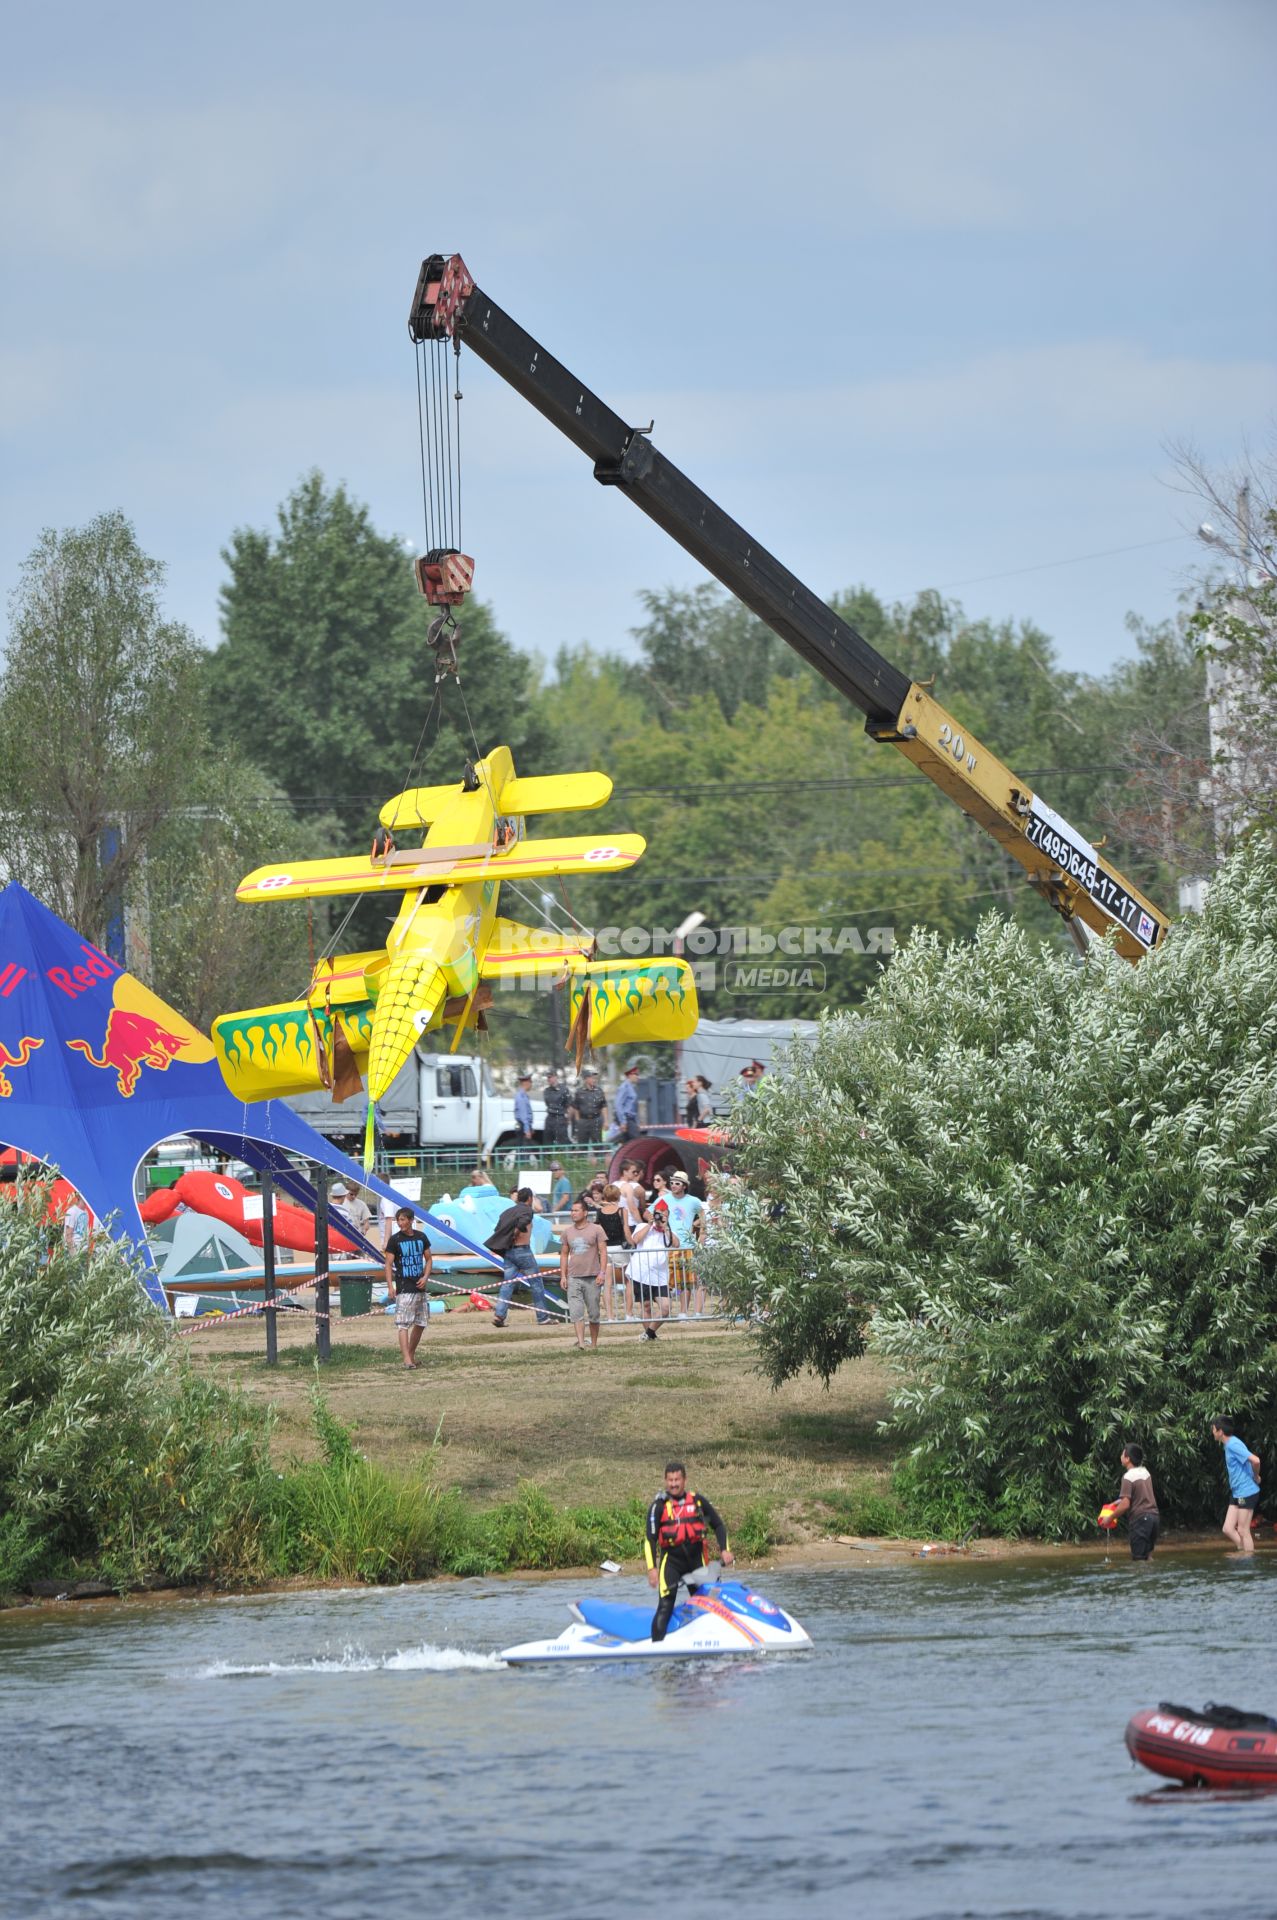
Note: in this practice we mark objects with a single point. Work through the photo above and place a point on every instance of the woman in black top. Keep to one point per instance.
(612, 1217)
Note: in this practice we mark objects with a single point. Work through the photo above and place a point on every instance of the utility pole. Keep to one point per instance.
(557, 1041)
(1228, 761)
(268, 1262)
(681, 931)
(323, 1295)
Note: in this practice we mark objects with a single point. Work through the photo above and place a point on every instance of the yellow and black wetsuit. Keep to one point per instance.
(675, 1543)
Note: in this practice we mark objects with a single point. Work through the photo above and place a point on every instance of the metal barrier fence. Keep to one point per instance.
(439, 1173)
(643, 1285)
(431, 1162)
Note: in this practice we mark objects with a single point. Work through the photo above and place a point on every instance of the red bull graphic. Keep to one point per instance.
(26, 1047)
(131, 1041)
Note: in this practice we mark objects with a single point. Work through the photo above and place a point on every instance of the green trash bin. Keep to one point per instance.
(356, 1297)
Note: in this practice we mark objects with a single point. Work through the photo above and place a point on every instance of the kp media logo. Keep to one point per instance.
(801, 976)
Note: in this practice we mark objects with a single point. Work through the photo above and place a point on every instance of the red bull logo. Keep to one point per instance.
(26, 1047)
(131, 1041)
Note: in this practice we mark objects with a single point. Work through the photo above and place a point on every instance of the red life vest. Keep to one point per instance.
(682, 1523)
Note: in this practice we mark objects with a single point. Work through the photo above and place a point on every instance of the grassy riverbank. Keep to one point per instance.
(139, 1455)
(493, 1411)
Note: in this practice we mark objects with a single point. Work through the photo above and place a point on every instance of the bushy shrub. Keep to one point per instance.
(115, 1457)
(344, 1517)
(1046, 1194)
(529, 1531)
(756, 1534)
(868, 1509)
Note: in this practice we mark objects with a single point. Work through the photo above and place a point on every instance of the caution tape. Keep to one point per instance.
(203, 1322)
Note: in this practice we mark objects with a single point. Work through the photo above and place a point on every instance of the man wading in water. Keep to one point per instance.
(678, 1523)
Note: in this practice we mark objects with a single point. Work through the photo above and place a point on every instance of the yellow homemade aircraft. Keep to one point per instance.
(364, 1012)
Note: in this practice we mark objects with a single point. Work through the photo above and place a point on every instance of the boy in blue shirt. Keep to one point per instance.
(1243, 1485)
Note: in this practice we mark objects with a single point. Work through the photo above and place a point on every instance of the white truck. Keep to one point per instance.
(437, 1100)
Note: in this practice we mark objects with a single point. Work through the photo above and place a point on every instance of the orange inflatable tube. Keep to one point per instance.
(217, 1194)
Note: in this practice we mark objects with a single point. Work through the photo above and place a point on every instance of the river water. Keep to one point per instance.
(951, 1746)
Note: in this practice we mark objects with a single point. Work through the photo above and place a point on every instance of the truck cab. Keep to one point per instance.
(436, 1100)
(459, 1105)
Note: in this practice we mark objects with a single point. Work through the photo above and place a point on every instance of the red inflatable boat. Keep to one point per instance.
(1218, 1747)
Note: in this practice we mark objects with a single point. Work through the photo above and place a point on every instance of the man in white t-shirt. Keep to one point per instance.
(650, 1269)
(387, 1210)
(75, 1226)
(349, 1203)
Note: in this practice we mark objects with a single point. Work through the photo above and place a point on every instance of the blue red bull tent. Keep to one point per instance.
(95, 1070)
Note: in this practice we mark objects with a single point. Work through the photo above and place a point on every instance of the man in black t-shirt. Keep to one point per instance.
(408, 1263)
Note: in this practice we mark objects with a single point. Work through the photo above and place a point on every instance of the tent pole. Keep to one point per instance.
(268, 1262)
(323, 1299)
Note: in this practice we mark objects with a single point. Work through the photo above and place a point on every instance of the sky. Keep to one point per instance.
(920, 294)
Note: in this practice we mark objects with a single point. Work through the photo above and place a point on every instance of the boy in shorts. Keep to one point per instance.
(1243, 1485)
(408, 1264)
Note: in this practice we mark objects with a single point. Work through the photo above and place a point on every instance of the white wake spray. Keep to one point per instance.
(422, 1659)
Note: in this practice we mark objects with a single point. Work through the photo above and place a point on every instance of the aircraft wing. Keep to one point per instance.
(418, 806)
(540, 793)
(555, 793)
(582, 853)
(444, 866)
(319, 879)
(531, 951)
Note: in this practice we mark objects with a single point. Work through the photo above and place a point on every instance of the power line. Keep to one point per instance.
(790, 784)
(1044, 566)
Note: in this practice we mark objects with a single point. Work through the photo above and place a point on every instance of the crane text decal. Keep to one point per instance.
(1075, 856)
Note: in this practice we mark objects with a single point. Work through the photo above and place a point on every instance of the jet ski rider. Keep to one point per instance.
(678, 1523)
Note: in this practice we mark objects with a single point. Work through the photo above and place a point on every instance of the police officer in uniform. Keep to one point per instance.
(555, 1133)
(589, 1103)
(678, 1525)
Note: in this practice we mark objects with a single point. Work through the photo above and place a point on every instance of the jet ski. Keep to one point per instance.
(726, 1617)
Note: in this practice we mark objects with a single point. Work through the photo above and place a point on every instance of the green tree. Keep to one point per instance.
(116, 1457)
(323, 677)
(100, 719)
(1147, 718)
(1045, 1195)
(1235, 627)
(208, 953)
(699, 640)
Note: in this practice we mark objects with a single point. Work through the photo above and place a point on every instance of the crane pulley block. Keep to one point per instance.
(445, 576)
(443, 287)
